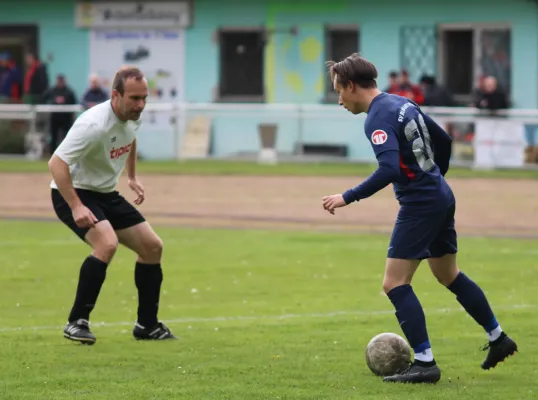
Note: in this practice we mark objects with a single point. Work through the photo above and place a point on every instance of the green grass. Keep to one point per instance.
(310, 354)
(225, 167)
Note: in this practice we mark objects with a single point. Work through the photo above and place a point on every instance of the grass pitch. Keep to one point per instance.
(260, 315)
(228, 167)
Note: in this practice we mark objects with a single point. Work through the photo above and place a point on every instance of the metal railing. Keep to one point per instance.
(234, 129)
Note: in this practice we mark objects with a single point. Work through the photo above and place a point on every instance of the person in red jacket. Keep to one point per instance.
(394, 83)
(409, 89)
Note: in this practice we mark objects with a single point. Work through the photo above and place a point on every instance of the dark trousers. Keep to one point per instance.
(58, 129)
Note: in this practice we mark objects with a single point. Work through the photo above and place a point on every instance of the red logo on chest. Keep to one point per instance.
(117, 153)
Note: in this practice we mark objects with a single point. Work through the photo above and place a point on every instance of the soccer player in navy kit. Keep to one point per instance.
(413, 153)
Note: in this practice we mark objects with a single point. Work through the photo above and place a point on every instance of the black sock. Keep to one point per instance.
(148, 279)
(91, 278)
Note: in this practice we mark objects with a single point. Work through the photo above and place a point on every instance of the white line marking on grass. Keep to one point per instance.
(265, 317)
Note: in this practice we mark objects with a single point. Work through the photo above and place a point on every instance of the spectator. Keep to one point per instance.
(95, 94)
(394, 84)
(36, 80)
(60, 122)
(10, 80)
(435, 95)
(490, 97)
(409, 89)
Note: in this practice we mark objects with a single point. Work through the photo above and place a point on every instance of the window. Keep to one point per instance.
(340, 42)
(470, 51)
(241, 65)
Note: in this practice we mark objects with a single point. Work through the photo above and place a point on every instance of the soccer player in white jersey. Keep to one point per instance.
(85, 170)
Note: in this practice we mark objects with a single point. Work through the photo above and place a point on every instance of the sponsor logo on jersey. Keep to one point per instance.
(379, 137)
(117, 153)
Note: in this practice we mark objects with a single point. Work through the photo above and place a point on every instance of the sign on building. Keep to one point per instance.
(133, 15)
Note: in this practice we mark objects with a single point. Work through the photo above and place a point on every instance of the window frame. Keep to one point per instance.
(329, 95)
(218, 96)
(476, 28)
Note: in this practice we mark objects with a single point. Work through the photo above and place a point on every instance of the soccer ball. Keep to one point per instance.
(387, 354)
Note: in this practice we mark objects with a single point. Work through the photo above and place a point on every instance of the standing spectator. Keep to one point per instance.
(394, 83)
(60, 122)
(435, 95)
(10, 80)
(36, 80)
(95, 94)
(409, 89)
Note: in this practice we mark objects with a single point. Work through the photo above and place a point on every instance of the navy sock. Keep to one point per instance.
(148, 279)
(474, 301)
(91, 277)
(411, 317)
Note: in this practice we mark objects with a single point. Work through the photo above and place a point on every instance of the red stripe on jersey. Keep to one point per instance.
(410, 174)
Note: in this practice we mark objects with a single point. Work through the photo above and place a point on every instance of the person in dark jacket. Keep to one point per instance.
(435, 95)
(491, 97)
(95, 94)
(36, 80)
(60, 122)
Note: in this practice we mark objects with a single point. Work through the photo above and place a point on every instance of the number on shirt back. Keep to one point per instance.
(421, 143)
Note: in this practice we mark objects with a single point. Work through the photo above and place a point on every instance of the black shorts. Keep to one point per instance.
(105, 206)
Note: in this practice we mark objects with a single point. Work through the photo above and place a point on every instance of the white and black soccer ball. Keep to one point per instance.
(387, 354)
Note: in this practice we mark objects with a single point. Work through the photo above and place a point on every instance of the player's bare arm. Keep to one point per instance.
(59, 169)
(133, 181)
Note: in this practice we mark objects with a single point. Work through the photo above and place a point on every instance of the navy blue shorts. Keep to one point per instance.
(421, 235)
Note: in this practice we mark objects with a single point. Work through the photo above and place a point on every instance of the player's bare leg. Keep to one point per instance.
(397, 286)
(104, 243)
(474, 301)
(143, 240)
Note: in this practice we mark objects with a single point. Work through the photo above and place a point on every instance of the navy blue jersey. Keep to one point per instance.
(413, 154)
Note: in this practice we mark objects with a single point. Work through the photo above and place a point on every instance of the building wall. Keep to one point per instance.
(58, 37)
(294, 66)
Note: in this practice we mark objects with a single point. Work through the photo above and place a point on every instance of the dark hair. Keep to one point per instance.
(356, 69)
(123, 74)
(427, 79)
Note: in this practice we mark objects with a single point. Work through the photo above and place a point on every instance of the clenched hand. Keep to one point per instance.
(332, 202)
(83, 217)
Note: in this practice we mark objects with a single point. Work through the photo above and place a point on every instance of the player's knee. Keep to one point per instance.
(398, 272)
(106, 248)
(447, 277)
(152, 250)
(389, 284)
(444, 269)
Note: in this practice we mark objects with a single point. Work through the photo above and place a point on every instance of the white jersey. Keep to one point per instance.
(96, 148)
